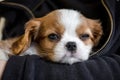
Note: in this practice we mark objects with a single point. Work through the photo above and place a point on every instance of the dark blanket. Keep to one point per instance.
(105, 65)
(34, 68)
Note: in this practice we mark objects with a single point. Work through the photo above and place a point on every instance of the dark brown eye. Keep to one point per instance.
(53, 36)
(84, 36)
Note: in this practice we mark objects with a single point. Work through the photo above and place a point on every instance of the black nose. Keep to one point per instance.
(71, 46)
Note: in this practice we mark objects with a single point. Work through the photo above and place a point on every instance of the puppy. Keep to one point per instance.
(64, 36)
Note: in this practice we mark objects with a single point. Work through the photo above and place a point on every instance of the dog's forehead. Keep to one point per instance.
(70, 19)
(63, 19)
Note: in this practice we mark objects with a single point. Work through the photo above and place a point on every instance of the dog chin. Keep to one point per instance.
(70, 60)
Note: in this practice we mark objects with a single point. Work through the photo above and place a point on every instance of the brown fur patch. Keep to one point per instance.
(91, 27)
(49, 25)
(83, 29)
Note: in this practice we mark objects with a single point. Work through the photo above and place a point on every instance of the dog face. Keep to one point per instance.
(64, 36)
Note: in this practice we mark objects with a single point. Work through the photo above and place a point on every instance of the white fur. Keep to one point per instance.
(4, 55)
(32, 50)
(70, 19)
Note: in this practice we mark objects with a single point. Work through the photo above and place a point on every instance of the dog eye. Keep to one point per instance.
(84, 36)
(53, 36)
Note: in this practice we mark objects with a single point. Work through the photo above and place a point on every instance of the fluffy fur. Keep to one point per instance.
(49, 35)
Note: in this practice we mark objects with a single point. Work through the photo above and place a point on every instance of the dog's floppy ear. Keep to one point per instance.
(24, 41)
(96, 30)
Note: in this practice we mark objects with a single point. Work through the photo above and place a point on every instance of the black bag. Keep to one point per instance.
(102, 65)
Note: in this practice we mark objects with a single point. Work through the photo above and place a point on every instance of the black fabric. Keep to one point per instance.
(34, 68)
(105, 65)
(16, 16)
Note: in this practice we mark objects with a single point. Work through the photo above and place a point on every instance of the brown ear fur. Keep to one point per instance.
(96, 30)
(24, 41)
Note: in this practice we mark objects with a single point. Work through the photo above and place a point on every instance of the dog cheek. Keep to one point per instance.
(59, 51)
(83, 51)
(89, 42)
(47, 48)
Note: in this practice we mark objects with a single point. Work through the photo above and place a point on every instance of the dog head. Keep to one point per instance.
(62, 36)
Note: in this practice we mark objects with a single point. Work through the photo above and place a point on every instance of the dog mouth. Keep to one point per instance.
(70, 59)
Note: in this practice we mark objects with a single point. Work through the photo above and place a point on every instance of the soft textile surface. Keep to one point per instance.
(34, 68)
